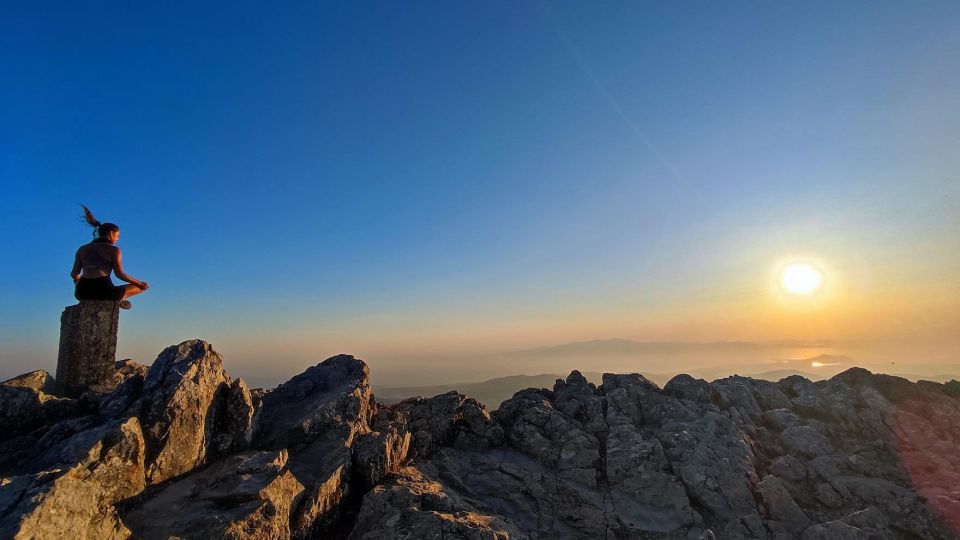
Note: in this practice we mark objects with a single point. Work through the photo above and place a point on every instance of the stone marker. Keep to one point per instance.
(88, 347)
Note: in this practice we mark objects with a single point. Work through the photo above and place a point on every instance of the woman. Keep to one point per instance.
(95, 261)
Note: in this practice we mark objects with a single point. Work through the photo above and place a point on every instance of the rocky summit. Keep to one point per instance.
(182, 450)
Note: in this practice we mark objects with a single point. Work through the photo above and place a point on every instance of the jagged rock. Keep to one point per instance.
(333, 395)
(624, 459)
(248, 495)
(686, 387)
(118, 403)
(736, 392)
(415, 506)
(537, 428)
(181, 393)
(74, 498)
(233, 422)
(780, 419)
(378, 454)
(324, 468)
(450, 419)
(24, 409)
(38, 380)
(124, 369)
(782, 510)
(805, 441)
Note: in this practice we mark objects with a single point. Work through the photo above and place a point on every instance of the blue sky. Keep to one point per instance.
(383, 177)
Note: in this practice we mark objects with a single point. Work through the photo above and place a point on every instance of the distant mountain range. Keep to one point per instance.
(619, 346)
(494, 391)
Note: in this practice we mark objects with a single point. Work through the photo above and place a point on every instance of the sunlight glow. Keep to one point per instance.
(821, 364)
(800, 279)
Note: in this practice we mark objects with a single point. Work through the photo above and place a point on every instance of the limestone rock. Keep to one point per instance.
(333, 395)
(181, 393)
(24, 409)
(324, 467)
(446, 420)
(233, 422)
(249, 495)
(781, 508)
(127, 368)
(38, 380)
(75, 498)
(856, 456)
(88, 347)
(380, 453)
(415, 506)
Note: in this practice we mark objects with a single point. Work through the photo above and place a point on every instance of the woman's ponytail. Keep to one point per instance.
(99, 229)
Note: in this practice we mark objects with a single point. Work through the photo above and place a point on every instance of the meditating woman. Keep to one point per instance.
(95, 261)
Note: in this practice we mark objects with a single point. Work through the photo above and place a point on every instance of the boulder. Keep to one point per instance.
(450, 419)
(412, 505)
(182, 392)
(250, 495)
(38, 380)
(333, 395)
(75, 497)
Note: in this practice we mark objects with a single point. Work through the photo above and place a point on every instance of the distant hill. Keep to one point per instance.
(494, 391)
(619, 346)
(491, 393)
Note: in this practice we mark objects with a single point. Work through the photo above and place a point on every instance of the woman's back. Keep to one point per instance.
(96, 258)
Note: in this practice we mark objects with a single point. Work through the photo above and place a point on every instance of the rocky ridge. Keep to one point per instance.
(182, 450)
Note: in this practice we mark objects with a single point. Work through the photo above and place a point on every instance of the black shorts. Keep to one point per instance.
(100, 288)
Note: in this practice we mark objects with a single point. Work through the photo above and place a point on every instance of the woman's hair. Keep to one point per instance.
(100, 230)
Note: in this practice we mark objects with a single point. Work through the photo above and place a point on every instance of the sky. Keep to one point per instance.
(396, 179)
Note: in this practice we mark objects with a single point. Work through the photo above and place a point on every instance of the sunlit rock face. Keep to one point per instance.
(180, 449)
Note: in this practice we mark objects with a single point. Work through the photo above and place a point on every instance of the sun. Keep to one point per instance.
(800, 279)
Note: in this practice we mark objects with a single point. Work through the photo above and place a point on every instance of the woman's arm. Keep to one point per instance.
(75, 272)
(118, 270)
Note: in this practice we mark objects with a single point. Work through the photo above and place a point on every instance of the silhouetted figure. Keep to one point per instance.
(94, 262)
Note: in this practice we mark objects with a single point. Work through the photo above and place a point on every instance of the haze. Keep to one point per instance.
(435, 186)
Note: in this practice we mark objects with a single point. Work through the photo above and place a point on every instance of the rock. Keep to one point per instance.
(88, 347)
(856, 456)
(736, 392)
(449, 419)
(233, 422)
(805, 441)
(125, 369)
(38, 380)
(249, 495)
(74, 498)
(324, 467)
(867, 524)
(333, 395)
(24, 409)
(780, 419)
(415, 506)
(181, 395)
(378, 454)
(686, 387)
(781, 507)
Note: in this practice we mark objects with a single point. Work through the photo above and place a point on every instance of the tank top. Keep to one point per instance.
(96, 258)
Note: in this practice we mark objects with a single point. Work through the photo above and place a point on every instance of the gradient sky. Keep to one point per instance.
(394, 178)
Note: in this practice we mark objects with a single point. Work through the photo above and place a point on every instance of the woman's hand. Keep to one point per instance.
(143, 285)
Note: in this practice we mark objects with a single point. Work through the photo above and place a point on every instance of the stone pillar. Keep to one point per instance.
(88, 347)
